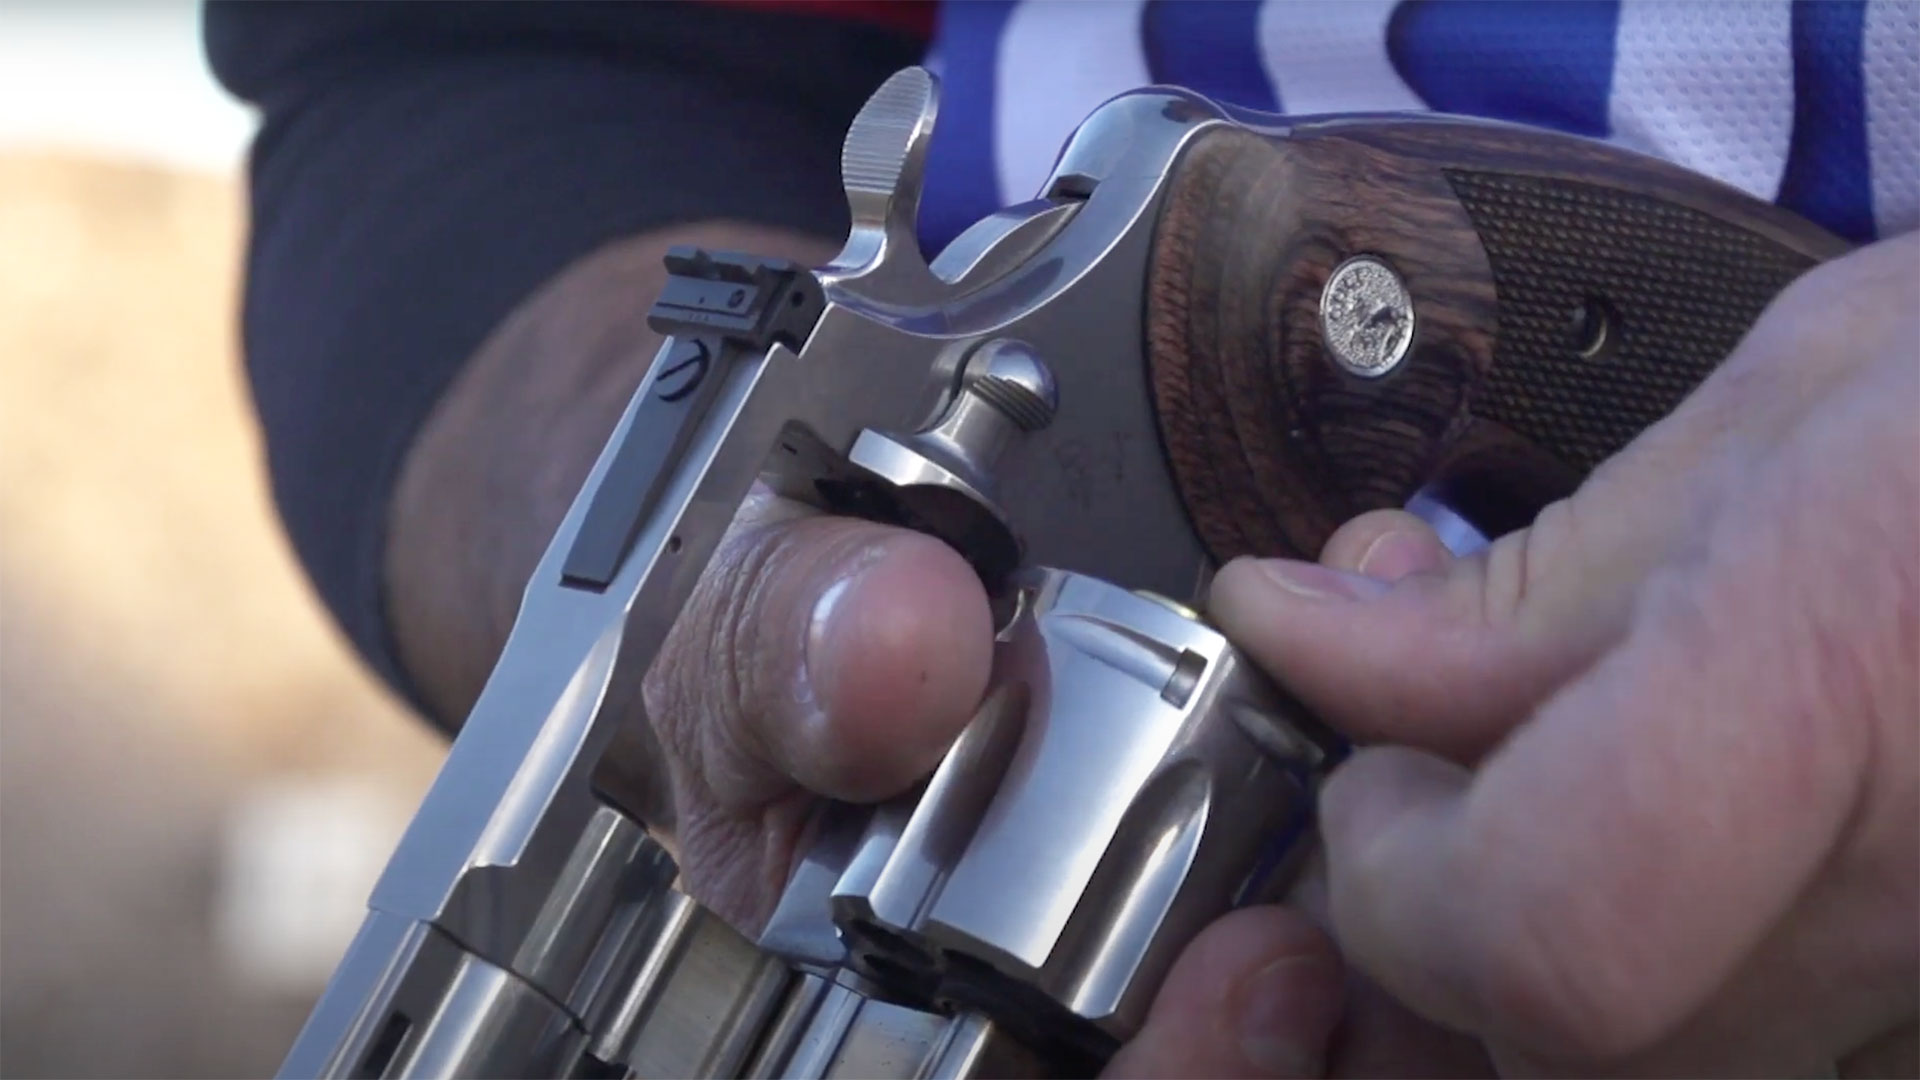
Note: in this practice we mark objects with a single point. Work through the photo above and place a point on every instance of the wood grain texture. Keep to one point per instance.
(1501, 235)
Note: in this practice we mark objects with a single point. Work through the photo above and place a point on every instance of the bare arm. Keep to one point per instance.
(504, 453)
(506, 450)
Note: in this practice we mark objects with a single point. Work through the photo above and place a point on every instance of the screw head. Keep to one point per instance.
(686, 368)
(1366, 317)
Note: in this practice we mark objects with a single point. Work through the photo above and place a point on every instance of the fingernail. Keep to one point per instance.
(1394, 555)
(1287, 1013)
(1315, 582)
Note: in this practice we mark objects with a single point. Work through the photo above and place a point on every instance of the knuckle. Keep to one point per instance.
(706, 681)
(1514, 563)
(740, 590)
(1553, 550)
(661, 696)
(1563, 985)
(1546, 966)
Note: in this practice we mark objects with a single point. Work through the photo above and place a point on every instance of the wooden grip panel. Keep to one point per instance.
(1566, 295)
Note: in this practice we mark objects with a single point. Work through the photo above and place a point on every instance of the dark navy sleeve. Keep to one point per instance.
(421, 168)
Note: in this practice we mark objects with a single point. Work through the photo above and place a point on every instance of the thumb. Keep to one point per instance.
(1256, 994)
(830, 652)
(1449, 654)
(1391, 638)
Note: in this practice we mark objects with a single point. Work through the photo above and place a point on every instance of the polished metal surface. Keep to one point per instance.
(1010, 377)
(882, 162)
(699, 1004)
(527, 926)
(942, 480)
(1366, 317)
(834, 1028)
(489, 1024)
(998, 243)
(1106, 804)
(1091, 491)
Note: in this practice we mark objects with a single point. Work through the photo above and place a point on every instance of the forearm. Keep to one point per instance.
(438, 294)
(505, 451)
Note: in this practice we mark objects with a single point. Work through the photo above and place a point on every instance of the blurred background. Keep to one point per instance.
(198, 783)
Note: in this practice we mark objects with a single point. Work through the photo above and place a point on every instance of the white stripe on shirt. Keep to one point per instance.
(1059, 59)
(1326, 58)
(1676, 96)
(1890, 57)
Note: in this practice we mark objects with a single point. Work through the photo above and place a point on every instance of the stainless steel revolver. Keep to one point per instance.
(1211, 333)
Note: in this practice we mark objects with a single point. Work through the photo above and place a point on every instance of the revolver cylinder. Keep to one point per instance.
(1129, 778)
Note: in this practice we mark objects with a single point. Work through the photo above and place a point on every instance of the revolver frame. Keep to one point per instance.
(522, 911)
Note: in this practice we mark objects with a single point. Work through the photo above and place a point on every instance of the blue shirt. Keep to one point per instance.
(1814, 104)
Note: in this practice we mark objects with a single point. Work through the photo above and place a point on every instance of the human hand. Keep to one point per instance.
(1555, 645)
(1644, 795)
(818, 657)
